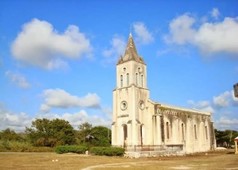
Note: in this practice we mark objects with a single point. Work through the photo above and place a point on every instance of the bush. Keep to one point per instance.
(108, 151)
(50, 133)
(16, 146)
(71, 148)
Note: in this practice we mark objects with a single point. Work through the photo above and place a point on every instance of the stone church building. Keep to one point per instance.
(145, 127)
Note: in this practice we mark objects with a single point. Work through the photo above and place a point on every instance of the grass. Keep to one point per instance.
(41, 161)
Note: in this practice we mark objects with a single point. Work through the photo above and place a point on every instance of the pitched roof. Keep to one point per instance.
(130, 53)
(181, 109)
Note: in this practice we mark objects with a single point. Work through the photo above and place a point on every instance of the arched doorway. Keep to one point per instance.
(124, 127)
(142, 133)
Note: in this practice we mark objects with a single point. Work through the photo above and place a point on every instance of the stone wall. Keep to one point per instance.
(153, 151)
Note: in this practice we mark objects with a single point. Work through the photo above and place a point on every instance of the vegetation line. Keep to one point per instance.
(45, 135)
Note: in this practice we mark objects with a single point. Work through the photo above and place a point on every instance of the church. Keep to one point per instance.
(148, 128)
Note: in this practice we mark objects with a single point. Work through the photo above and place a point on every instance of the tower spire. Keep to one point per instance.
(130, 52)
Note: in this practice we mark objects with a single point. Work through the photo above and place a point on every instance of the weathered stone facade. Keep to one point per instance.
(147, 128)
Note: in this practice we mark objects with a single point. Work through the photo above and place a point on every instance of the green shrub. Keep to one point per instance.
(18, 146)
(108, 151)
(39, 149)
(71, 149)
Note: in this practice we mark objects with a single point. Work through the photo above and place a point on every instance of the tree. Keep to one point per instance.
(101, 136)
(44, 132)
(225, 138)
(94, 136)
(10, 135)
(85, 126)
(84, 130)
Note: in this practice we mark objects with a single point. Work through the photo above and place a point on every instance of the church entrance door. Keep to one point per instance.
(124, 135)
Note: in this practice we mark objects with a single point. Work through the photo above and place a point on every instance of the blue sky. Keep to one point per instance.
(58, 58)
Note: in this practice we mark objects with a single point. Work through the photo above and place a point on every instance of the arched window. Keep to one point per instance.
(206, 132)
(141, 134)
(127, 79)
(195, 131)
(167, 129)
(124, 135)
(142, 80)
(121, 80)
(182, 127)
(136, 78)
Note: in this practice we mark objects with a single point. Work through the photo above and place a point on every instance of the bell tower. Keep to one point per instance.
(130, 98)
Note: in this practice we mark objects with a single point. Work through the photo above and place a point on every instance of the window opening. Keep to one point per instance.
(195, 131)
(182, 126)
(141, 80)
(136, 78)
(125, 135)
(167, 129)
(206, 132)
(127, 77)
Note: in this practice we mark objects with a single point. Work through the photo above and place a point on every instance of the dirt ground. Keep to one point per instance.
(42, 161)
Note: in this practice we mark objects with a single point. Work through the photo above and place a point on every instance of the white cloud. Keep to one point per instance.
(209, 37)
(107, 111)
(143, 36)
(225, 123)
(222, 100)
(180, 30)
(18, 79)
(19, 121)
(39, 44)
(201, 105)
(218, 37)
(75, 119)
(220, 105)
(234, 100)
(118, 43)
(225, 99)
(215, 13)
(117, 48)
(15, 121)
(61, 99)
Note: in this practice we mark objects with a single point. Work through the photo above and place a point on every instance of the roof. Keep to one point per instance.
(181, 109)
(130, 53)
(195, 111)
